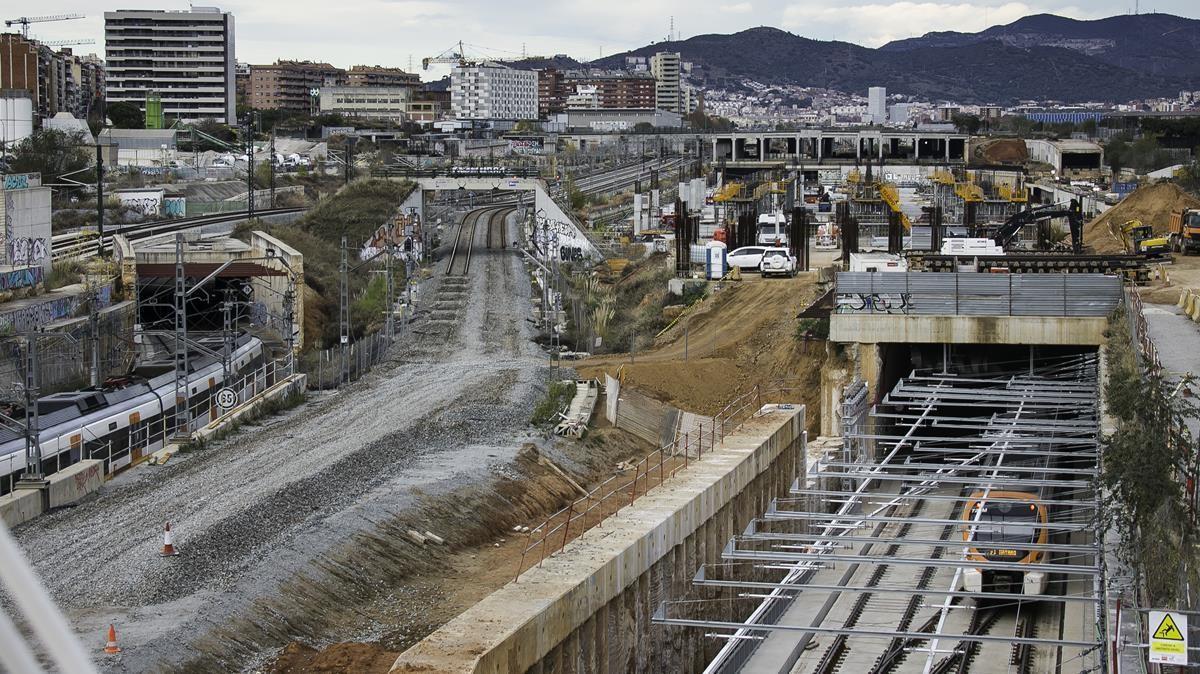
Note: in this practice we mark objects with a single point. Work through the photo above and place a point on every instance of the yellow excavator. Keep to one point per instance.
(1140, 239)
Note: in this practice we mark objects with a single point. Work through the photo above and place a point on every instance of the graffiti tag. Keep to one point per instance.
(19, 181)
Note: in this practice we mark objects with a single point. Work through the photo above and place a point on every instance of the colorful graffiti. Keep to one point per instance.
(174, 207)
(17, 181)
(21, 278)
(38, 314)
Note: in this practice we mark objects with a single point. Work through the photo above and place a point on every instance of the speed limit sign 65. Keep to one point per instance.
(226, 398)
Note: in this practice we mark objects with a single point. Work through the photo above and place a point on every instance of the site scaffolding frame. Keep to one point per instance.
(958, 442)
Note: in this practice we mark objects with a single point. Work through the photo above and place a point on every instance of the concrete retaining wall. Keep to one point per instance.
(75, 481)
(293, 385)
(588, 608)
(20, 506)
(900, 329)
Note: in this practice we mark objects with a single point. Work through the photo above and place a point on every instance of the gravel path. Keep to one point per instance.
(283, 509)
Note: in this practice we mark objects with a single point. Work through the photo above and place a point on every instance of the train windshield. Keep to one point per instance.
(1020, 520)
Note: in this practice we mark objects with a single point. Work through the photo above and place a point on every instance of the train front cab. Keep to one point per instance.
(1004, 545)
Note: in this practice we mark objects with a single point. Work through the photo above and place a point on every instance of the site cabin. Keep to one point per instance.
(877, 262)
(773, 229)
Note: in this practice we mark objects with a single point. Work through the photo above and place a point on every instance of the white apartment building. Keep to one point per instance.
(876, 105)
(186, 57)
(664, 66)
(491, 91)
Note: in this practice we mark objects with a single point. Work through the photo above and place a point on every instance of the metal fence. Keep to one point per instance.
(330, 368)
(977, 294)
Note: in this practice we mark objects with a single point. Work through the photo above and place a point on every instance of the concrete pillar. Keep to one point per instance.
(714, 143)
(946, 142)
(916, 148)
(733, 148)
(858, 147)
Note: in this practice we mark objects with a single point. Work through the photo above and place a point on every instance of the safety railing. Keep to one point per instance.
(1141, 331)
(623, 490)
(331, 368)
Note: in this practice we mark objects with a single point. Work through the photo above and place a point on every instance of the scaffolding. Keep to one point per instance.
(882, 558)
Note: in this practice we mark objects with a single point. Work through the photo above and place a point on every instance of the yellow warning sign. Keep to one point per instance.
(1168, 640)
(1167, 629)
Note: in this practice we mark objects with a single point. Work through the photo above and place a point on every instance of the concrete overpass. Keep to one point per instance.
(839, 146)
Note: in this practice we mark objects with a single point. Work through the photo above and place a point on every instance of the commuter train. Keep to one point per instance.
(1024, 517)
(125, 422)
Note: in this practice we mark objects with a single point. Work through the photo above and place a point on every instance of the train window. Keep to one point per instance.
(1020, 521)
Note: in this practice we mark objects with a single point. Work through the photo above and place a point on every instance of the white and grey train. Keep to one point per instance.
(121, 424)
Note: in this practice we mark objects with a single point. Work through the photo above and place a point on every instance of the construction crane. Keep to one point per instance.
(26, 20)
(457, 56)
(66, 43)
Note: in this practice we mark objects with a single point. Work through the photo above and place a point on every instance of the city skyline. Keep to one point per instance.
(583, 30)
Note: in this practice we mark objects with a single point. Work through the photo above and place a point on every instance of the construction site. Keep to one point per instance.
(736, 413)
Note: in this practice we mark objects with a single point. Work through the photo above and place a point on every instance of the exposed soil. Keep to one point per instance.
(1003, 151)
(1152, 205)
(739, 336)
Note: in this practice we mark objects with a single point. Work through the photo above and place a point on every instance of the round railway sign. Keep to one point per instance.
(226, 398)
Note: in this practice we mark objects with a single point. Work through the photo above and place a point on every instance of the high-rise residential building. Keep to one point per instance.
(186, 57)
(664, 66)
(57, 81)
(288, 85)
(489, 91)
(552, 91)
(877, 105)
(379, 76)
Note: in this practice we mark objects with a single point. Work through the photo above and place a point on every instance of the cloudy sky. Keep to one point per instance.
(391, 32)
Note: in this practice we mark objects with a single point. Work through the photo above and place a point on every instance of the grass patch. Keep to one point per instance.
(265, 409)
(558, 397)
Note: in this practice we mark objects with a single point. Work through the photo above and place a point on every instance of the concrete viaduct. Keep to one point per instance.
(829, 146)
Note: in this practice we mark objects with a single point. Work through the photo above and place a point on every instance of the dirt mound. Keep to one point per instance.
(1003, 151)
(297, 658)
(1152, 205)
(736, 338)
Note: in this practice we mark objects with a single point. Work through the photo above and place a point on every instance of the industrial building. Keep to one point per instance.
(1070, 158)
(489, 91)
(612, 120)
(391, 103)
(186, 57)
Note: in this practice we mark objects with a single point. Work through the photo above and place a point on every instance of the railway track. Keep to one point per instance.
(84, 244)
(459, 264)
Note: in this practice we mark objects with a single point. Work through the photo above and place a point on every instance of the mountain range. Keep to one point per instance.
(1039, 57)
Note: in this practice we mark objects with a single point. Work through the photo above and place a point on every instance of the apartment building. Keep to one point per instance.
(613, 89)
(489, 91)
(186, 57)
(379, 76)
(665, 67)
(56, 81)
(288, 85)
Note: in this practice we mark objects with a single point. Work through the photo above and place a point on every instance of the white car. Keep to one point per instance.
(747, 257)
(777, 261)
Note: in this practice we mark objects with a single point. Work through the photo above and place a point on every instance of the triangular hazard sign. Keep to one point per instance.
(1168, 630)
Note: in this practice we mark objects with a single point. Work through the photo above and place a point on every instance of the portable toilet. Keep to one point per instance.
(715, 265)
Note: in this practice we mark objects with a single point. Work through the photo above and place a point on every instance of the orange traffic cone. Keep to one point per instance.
(168, 547)
(111, 646)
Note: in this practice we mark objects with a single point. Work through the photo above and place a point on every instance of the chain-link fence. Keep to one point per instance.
(330, 368)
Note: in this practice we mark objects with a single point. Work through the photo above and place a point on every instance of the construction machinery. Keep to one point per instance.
(1006, 234)
(1184, 230)
(1140, 239)
(24, 21)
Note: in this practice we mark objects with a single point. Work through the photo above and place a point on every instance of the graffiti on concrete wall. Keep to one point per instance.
(38, 314)
(21, 278)
(143, 205)
(174, 207)
(24, 250)
(7, 232)
(19, 181)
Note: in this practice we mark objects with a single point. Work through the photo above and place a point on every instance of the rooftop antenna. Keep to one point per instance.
(671, 30)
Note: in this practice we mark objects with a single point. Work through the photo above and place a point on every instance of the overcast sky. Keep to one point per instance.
(391, 32)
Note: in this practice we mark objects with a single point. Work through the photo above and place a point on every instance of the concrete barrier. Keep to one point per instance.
(588, 608)
(20, 506)
(75, 481)
(282, 389)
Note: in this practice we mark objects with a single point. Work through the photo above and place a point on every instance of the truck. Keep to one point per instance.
(1184, 230)
(773, 229)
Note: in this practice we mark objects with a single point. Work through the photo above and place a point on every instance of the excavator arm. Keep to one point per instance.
(1005, 234)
